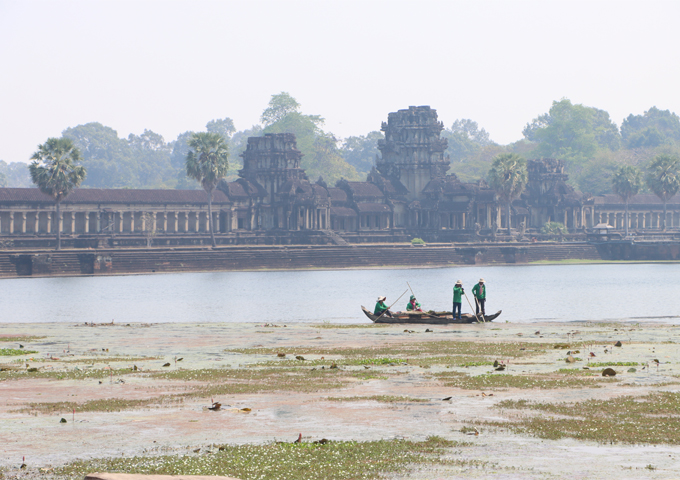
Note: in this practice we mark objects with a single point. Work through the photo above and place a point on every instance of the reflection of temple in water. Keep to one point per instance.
(408, 193)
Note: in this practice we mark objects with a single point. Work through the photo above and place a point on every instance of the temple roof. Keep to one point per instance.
(640, 199)
(373, 207)
(113, 195)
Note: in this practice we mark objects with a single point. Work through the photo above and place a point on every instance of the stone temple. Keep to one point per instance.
(409, 193)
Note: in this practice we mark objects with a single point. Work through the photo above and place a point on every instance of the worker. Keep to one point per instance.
(381, 308)
(413, 305)
(458, 292)
(479, 291)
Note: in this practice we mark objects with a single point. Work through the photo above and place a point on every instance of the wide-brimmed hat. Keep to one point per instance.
(458, 282)
(413, 297)
(481, 280)
(380, 299)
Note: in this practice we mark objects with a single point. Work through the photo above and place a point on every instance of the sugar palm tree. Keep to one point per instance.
(55, 172)
(508, 177)
(663, 178)
(626, 183)
(207, 162)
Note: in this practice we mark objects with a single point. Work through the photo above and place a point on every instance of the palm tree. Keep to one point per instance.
(55, 172)
(207, 162)
(508, 176)
(626, 183)
(663, 178)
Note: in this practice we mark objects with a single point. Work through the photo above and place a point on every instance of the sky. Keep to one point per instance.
(172, 66)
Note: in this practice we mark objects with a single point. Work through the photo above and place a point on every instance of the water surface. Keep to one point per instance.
(641, 292)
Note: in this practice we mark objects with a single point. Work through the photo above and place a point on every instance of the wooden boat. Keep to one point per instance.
(436, 318)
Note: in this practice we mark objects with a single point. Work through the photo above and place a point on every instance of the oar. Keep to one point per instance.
(383, 313)
(468, 300)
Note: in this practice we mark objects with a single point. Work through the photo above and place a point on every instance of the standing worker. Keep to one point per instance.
(479, 291)
(457, 298)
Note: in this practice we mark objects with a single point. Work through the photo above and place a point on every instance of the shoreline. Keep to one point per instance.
(70, 263)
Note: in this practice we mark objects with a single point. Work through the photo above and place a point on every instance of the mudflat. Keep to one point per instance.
(511, 400)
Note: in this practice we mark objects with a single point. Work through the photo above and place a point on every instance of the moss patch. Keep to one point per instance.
(651, 419)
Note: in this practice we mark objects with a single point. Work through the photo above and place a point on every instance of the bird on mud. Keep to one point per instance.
(215, 406)
(299, 439)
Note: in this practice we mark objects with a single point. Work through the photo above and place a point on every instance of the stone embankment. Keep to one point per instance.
(164, 260)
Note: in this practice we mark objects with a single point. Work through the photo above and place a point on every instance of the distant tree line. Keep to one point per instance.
(585, 138)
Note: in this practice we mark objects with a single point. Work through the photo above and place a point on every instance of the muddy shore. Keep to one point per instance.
(398, 393)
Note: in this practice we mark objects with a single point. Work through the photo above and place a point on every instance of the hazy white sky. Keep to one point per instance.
(171, 66)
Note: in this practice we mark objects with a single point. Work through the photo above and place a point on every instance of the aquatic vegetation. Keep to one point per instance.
(290, 461)
(651, 419)
(8, 352)
(20, 339)
(492, 381)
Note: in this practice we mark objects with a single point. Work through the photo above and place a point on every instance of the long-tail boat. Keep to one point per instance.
(434, 318)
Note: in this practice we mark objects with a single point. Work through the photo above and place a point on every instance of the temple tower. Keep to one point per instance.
(412, 150)
(270, 161)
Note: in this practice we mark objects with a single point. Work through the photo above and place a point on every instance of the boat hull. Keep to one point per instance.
(439, 318)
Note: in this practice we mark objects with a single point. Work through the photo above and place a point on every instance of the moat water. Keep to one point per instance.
(637, 292)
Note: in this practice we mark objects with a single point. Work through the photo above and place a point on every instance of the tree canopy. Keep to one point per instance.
(207, 162)
(653, 128)
(508, 177)
(360, 151)
(56, 171)
(322, 157)
(663, 178)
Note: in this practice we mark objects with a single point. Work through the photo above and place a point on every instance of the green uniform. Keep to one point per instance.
(380, 307)
(479, 291)
(409, 306)
(458, 294)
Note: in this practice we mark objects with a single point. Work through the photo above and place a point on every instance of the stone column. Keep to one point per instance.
(49, 223)
(98, 226)
(119, 221)
(36, 223)
(165, 222)
(87, 222)
(23, 222)
(175, 223)
(11, 222)
(197, 222)
(186, 222)
(153, 221)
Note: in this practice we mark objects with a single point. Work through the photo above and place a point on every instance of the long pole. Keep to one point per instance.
(383, 313)
(475, 312)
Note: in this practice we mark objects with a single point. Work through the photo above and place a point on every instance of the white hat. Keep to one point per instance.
(458, 282)
(481, 280)
(381, 299)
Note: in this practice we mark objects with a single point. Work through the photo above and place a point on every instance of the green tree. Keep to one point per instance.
(56, 172)
(208, 162)
(178, 161)
(280, 106)
(508, 177)
(16, 174)
(663, 178)
(224, 127)
(106, 157)
(360, 151)
(573, 133)
(653, 128)
(321, 158)
(3, 180)
(465, 139)
(150, 159)
(626, 183)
